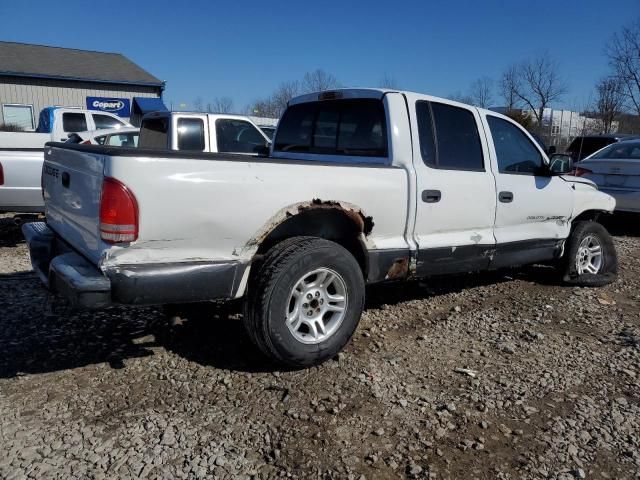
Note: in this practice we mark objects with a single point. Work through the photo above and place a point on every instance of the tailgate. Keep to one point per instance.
(72, 182)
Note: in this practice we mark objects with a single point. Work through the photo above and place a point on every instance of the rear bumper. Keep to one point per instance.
(67, 273)
(626, 200)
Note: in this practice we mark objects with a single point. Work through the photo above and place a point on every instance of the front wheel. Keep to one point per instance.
(590, 257)
(305, 301)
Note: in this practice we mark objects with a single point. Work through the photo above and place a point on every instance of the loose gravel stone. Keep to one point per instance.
(121, 393)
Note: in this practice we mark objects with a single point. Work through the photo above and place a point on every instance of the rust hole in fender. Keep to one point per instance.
(364, 223)
(399, 268)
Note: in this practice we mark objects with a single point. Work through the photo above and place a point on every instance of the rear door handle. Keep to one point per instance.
(505, 197)
(431, 196)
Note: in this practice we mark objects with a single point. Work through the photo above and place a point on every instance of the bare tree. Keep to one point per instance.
(275, 105)
(318, 80)
(460, 97)
(609, 101)
(388, 81)
(481, 92)
(624, 57)
(198, 104)
(538, 84)
(509, 85)
(220, 105)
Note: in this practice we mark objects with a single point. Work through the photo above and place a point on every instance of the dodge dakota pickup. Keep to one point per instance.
(361, 186)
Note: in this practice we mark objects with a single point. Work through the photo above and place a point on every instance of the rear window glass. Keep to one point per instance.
(153, 133)
(74, 122)
(621, 151)
(105, 121)
(336, 127)
(191, 134)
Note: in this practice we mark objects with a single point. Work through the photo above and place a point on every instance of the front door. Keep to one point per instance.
(455, 188)
(533, 208)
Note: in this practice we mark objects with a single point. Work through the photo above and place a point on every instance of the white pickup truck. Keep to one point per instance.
(20, 191)
(362, 186)
(21, 153)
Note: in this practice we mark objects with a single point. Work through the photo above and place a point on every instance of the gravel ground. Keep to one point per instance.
(505, 375)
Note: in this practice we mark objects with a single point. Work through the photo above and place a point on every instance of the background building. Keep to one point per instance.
(33, 77)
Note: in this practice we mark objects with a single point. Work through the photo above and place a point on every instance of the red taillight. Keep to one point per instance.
(118, 213)
(1, 175)
(580, 171)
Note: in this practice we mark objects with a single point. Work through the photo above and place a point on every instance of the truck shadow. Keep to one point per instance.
(622, 224)
(33, 340)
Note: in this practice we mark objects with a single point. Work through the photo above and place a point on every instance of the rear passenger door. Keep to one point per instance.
(533, 208)
(455, 188)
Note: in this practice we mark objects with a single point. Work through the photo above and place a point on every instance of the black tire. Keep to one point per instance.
(270, 286)
(608, 271)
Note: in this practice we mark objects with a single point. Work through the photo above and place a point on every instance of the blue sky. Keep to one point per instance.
(244, 49)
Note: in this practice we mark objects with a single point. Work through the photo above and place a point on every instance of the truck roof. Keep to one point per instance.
(376, 93)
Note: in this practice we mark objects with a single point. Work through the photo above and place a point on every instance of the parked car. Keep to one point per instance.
(616, 170)
(362, 186)
(202, 132)
(268, 130)
(21, 153)
(117, 137)
(583, 146)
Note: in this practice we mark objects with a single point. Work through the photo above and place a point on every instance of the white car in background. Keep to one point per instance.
(615, 169)
(115, 137)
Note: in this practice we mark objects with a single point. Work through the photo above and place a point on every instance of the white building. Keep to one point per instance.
(562, 126)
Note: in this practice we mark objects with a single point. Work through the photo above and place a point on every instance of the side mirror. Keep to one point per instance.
(560, 164)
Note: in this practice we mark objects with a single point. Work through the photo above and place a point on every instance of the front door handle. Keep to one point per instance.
(505, 197)
(431, 196)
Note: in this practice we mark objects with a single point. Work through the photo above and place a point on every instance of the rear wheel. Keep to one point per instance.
(590, 257)
(305, 301)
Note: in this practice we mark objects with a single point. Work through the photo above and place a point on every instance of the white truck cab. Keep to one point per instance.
(202, 132)
(361, 186)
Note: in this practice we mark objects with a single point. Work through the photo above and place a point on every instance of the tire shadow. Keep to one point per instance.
(10, 232)
(34, 340)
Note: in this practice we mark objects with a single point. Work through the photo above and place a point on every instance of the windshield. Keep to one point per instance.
(620, 151)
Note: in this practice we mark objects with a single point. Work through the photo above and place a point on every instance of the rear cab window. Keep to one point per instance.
(154, 133)
(328, 130)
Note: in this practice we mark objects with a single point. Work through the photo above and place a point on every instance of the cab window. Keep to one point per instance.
(191, 134)
(74, 122)
(238, 136)
(516, 154)
(105, 121)
(449, 137)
